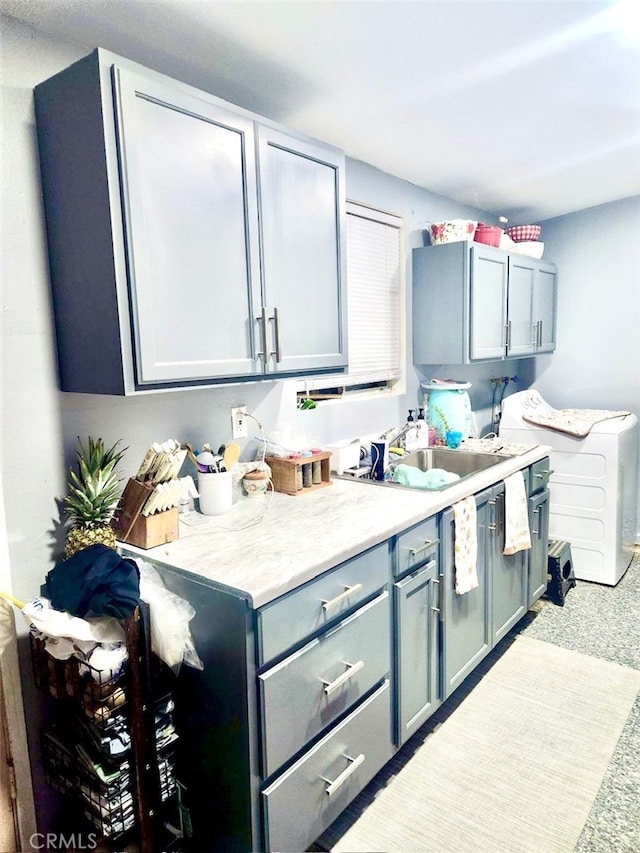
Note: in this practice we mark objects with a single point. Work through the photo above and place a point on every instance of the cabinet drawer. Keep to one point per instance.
(540, 473)
(290, 619)
(306, 799)
(417, 545)
(306, 692)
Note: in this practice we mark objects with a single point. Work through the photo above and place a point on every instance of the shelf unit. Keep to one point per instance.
(110, 747)
(300, 475)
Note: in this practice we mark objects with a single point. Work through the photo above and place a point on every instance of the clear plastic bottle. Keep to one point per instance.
(423, 429)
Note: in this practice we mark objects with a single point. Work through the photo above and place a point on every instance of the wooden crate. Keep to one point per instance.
(288, 476)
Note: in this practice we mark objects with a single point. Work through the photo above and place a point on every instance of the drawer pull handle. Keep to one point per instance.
(352, 668)
(542, 474)
(348, 590)
(428, 543)
(353, 765)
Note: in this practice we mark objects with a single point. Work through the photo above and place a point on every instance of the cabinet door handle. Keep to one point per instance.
(352, 669)
(492, 527)
(536, 530)
(440, 608)
(334, 602)
(427, 544)
(276, 334)
(353, 765)
(498, 515)
(544, 474)
(508, 335)
(262, 320)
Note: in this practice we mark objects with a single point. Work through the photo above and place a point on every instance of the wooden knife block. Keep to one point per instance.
(144, 531)
(157, 529)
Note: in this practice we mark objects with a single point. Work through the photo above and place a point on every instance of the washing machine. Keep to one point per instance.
(593, 488)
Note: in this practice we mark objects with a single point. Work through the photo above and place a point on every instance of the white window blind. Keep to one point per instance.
(374, 293)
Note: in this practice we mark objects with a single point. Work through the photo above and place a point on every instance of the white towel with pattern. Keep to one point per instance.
(517, 536)
(466, 545)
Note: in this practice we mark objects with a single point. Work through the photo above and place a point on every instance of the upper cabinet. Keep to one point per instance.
(190, 241)
(475, 303)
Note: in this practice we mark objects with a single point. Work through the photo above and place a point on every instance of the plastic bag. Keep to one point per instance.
(170, 615)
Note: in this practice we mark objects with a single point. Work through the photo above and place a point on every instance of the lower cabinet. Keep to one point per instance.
(310, 795)
(538, 557)
(417, 615)
(304, 700)
(539, 474)
(309, 690)
(508, 572)
(466, 627)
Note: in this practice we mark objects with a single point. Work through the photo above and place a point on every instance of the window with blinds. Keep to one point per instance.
(374, 305)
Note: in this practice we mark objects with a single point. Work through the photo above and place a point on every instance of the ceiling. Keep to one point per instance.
(529, 109)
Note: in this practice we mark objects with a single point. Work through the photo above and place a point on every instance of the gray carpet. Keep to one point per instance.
(602, 623)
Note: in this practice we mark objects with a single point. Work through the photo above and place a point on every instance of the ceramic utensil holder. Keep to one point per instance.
(216, 492)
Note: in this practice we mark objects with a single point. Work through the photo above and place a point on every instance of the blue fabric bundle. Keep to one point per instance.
(96, 581)
(436, 478)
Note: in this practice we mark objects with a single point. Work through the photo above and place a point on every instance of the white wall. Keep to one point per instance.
(597, 362)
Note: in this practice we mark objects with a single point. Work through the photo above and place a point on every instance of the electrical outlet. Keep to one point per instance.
(239, 422)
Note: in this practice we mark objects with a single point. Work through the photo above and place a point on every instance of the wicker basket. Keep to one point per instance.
(523, 233)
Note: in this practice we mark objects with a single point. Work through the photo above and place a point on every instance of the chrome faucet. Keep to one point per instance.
(395, 437)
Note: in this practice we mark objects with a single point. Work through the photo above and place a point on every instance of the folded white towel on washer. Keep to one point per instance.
(516, 515)
(466, 545)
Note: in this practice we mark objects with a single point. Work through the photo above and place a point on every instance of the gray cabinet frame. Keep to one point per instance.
(438, 638)
(109, 223)
(474, 303)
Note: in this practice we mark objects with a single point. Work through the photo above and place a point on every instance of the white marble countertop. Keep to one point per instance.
(267, 546)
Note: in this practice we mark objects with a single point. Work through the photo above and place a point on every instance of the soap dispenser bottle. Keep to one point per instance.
(423, 430)
(411, 436)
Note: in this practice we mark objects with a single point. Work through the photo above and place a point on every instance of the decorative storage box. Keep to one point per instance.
(300, 475)
(344, 455)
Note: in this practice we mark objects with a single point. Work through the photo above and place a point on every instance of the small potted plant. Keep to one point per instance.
(453, 438)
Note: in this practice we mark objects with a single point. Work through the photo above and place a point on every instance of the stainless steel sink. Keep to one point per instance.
(464, 463)
(461, 462)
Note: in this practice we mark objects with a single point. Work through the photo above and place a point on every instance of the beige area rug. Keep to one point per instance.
(514, 769)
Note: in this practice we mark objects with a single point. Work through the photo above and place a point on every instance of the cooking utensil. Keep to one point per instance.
(231, 455)
(206, 462)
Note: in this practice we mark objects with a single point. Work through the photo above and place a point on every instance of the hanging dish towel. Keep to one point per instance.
(516, 517)
(466, 545)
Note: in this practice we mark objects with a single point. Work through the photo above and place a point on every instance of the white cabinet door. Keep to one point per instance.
(544, 307)
(301, 222)
(417, 611)
(190, 197)
(520, 337)
(488, 303)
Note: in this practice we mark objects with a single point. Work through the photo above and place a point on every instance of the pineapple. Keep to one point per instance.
(93, 496)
